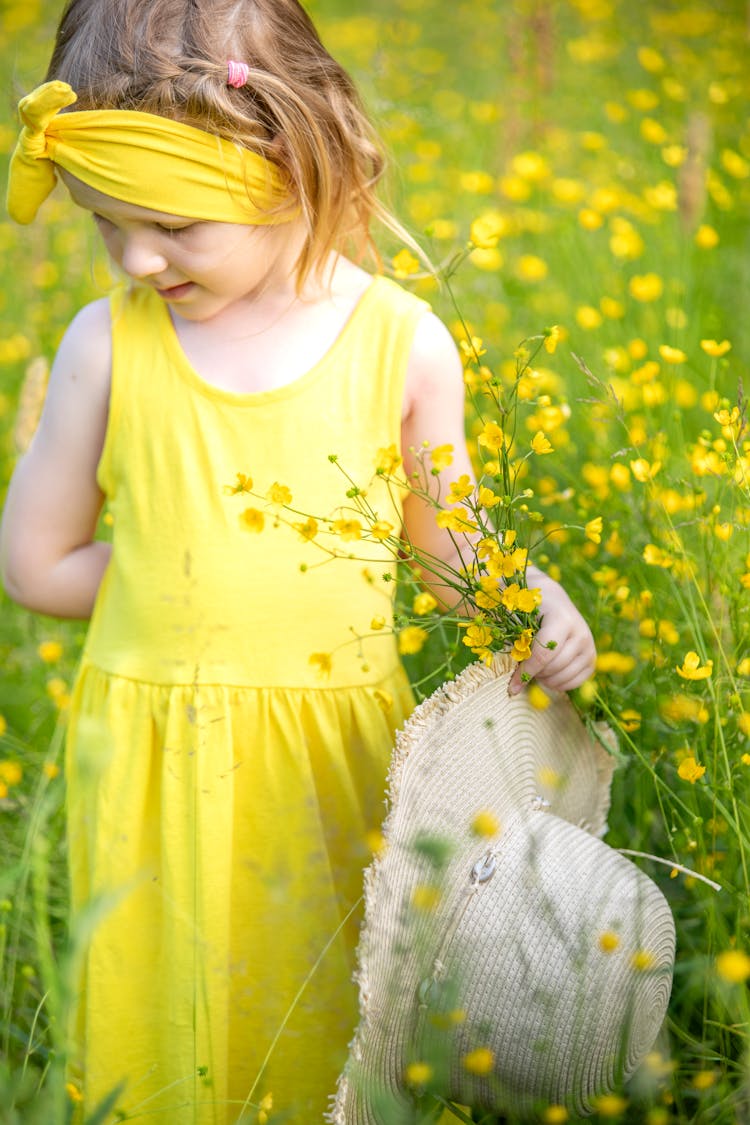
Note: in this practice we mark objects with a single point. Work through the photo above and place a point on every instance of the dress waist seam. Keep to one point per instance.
(324, 688)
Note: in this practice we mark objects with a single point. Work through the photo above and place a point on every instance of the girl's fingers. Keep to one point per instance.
(568, 678)
(562, 668)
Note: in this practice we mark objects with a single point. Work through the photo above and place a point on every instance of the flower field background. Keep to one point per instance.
(597, 155)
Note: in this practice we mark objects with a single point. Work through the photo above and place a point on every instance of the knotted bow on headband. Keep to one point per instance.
(143, 159)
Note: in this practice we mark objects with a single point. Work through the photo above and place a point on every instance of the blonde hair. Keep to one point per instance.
(298, 107)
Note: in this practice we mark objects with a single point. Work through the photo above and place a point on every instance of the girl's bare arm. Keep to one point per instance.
(49, 560)
(434, 412)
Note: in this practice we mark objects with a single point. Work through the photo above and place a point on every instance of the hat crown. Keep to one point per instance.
(503, 927)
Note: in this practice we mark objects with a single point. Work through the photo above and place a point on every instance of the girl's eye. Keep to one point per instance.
(175, 231)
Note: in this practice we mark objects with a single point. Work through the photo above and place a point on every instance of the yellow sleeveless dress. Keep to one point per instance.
(221, 784)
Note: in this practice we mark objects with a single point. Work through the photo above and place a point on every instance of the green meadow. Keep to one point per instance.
(579, 172)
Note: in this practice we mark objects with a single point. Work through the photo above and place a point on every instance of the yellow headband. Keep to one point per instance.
(139, 158)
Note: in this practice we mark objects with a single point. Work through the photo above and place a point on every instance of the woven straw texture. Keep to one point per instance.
(497, 944)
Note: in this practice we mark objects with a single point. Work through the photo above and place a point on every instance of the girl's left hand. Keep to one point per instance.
(572, 658)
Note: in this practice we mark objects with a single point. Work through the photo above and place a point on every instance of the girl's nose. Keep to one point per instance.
(140, 257)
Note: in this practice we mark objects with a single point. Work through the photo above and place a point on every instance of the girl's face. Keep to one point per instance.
(199, 268)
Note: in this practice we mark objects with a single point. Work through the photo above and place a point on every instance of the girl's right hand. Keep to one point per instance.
(49, 559)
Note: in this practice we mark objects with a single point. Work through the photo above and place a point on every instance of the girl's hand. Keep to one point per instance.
(572, 658)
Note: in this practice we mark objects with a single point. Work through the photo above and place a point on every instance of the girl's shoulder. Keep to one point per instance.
(435, 368)
(86, 347)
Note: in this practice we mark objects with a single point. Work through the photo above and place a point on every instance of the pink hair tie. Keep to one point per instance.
(237, 73)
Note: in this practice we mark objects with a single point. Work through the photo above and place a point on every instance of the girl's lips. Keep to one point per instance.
(175, 291)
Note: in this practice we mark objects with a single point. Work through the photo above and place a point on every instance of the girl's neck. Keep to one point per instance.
(275, 337)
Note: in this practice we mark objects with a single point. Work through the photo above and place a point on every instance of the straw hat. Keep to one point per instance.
(505, 946)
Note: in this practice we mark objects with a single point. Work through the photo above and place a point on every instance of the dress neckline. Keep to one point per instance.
(286, 390)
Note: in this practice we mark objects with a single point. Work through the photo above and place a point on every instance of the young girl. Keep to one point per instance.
(220, 789)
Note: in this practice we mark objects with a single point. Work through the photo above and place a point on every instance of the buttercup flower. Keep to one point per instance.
(593, 529)
(689, 770)
(252, 519)
(692, 669)
(487, 229)
(532, 268)
(454, 520)
(654, 556)
(423, 603)
(644, 470)
(417, 1074)
(615, 662)
(646, 287)
(477, 637)
(651, 60)
(515, 597)
(349, 529)
(630, 719)
(588, 317)
(522, 646)
(537, 697)
(387, 460)
(485, 823)
(472, 349)
(412, 640)
(733, 965)
(608, 941)
(308, 528)
(279, 494)
(405, 264)
(715, 349)
(10, 772)
(706, 237)
(460, 489)
(242, 484)
(264, 1108)
(381, 529)
(489, 593)
(551, 338)
(671, 355)
(610, 1105)
(441, 457)
(479, 1061)
(487, 498)
(492, 437)
(540, 443)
